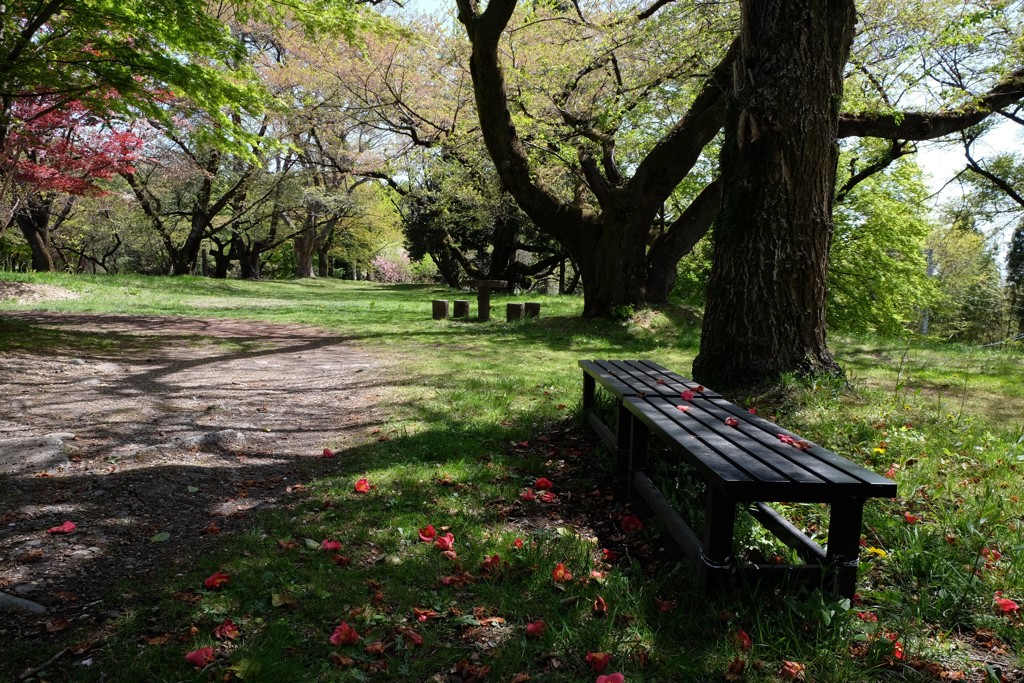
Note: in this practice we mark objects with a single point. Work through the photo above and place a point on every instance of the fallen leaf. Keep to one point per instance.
(57, 625)
(160, 537)
(734, 671)
(282, 600)
(192, 489)
(158, 640)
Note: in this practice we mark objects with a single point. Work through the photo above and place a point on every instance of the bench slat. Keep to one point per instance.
(771, 431)
(692, 449)
(787, 458)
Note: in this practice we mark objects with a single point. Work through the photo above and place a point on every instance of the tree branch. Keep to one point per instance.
(931, 125)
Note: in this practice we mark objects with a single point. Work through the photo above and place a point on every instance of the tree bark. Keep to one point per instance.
(765, 312)
(33, 218)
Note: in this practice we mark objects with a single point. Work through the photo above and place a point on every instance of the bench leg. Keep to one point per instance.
(589, 387)
(625, 426)
(634, 456)
(719, 525)
(843, 551)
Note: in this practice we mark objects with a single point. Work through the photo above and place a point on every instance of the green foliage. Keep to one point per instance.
(971, 305)
(877, 272)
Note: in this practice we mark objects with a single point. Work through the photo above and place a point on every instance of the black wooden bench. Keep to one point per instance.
(742, 459)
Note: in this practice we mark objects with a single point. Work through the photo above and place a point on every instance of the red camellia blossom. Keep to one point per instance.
(492, 562)
(528, 495)
(330, 544)
(665, 606)
(732, 422)
(548, 497)
(699, 389)
(752, 411)
(344, 635)
(629, 524)
(683, 408)
(446, 542)
(536, 628)
(411, 636)
(423, 615)
(65, 528)
(1005, 605)
(991, 555)
(200, 658)
(216, 580)
(743, 640)
(891, 472)
(328, 453)
(362, 486)
(543, 484)
(911, 519)
(686, 395)
(600, 607)
(785, 438)
(341, 560)
(897, 646)
(867, 616)
(560, 574)
(609, 555)
(598, 661)
(226, 630)
(518, 543)
(428, 533)
(611, 678)
(791, 670)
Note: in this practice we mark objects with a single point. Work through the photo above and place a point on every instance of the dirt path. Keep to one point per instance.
(157, 426)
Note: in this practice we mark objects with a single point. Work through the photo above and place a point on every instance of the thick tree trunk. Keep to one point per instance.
(305, 246)
(323, 261)
(34, 221)
(612, 263)
(765, 313)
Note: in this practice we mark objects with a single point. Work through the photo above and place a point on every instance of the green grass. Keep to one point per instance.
(946, 419)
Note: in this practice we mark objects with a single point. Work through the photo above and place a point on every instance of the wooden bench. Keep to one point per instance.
(742, 459)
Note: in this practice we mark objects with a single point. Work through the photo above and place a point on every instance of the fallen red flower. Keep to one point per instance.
(330, 544)
(743, 640)
(362, 486)
(609, 555)
(226, 629)
(217, 580)
(411, 636)
(911, 519)
(200, 658)
(598, 661)
(65, 528)
(535, 629)
(731, 422)
(686, 395)
(548, 497)
(341, 560)
(560, 574)
(699, 389)
(492, 562)
(422, 615)
(518, 543)
(665, 606)
(791, 670)
(328, 453)
(600, 607)
(428, 533)
(867, 616)
(611, 678)
(683, 408)
(629, 524)
(446, 542)
(344, 635)
(1005, 605)
(528, 495)
(543, 483)
(785, 438)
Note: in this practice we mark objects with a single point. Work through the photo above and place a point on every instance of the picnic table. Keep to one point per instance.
(483, 295)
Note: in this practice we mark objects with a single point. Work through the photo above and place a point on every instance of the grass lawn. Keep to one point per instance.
(486, 408)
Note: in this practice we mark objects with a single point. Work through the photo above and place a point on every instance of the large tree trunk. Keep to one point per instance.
(612, 263)
(305, 246)
(34, 221)
(765, 313)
